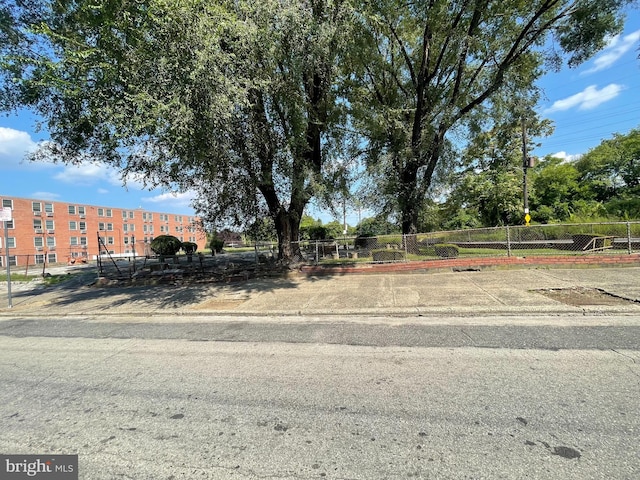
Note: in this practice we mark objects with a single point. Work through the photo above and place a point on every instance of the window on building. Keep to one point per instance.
(37, 224)
(124, 214)
(101, 212)
(9, 224)
(7, 203)
(39, 259)
(52, 258)
(38, 242)
(110, 241)
(12, 260)
(110, 227)
(72, 209)
(51, 242)
(81, 211)
(11, 242)
(73, 225)
(48, 207)
(36, 207)
(49, 225)
(83, 240)
(73, 241)
(130, 214)
(101, 226)
(109, 212)
(83, 226)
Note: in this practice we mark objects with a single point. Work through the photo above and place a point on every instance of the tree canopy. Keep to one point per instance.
(259, 107)
(426, 70)
(233, 100)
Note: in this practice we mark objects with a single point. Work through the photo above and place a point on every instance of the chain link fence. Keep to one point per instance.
(556, 239)
(519, 241)
(33, 264)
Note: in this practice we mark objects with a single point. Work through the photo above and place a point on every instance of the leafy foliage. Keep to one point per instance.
(216, 244)
(425, 70)
(166, 245)
(189, 247)
(233, 100)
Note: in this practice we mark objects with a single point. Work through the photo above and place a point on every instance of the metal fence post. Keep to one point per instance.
(629, 237)
(317, 256)
(405, 239)
(508, 242)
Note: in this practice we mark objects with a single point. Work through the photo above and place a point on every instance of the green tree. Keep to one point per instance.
(234, 100)
(489, 174)
(262, 230)
(557, 189)
(423, 68)
(379, 225)
(612, 169)
(307, 226)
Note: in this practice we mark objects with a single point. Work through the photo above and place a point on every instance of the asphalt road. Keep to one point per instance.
(302, 400)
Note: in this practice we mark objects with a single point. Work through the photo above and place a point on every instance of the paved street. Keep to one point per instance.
(169, 409)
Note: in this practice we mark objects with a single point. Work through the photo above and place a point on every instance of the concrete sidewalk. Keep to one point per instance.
(579, 291)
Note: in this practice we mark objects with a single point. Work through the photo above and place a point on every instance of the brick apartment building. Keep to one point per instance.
(56, 232)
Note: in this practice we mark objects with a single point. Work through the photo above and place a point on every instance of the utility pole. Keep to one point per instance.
(6, 217)
(526, 163)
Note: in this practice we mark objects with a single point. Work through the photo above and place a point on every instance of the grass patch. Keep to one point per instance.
(18, 277)
(56, 279)
(48, 280)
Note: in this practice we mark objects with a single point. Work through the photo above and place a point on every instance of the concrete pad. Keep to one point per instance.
(490, 292)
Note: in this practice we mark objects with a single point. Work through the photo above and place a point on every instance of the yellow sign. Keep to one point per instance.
(527, 218)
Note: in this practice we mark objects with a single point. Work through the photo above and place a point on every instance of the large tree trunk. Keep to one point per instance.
(287, 223)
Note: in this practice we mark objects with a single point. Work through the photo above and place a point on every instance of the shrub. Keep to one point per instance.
(189, 247)
(446, 250)
(166, 245)
(215, 244)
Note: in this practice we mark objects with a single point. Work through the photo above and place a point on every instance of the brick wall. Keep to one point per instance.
(612, 260)
(62, 231)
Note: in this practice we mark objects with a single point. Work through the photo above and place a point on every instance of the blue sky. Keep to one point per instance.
(587, 105)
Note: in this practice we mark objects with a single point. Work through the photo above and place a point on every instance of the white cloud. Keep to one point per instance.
(173, 199)
(45, 196)
(82, 175)
(92, 173)
(616, 48)
(589, 98)
(566, 157)
(14, 146)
